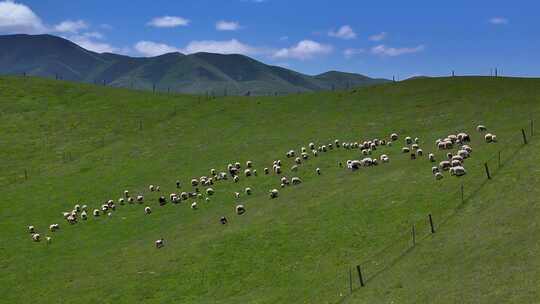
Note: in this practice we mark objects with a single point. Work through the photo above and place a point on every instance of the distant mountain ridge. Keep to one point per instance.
(199, 73)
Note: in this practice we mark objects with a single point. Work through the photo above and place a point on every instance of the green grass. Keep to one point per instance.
(81, 143)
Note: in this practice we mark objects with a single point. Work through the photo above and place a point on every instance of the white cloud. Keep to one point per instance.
(16, 18)
(168, 21)
(150, 49)
(227, 25)
(348, 53)
(305, 49)
(498, 21)
(232, 46)
(95, 35)
(390, 51)
(378, 37)
(344, 32)
(95, 46)
(69, 26)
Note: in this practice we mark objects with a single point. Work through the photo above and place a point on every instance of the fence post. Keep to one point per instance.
(413, 235)
(431, 223)
(350, 279)
(360, 275)
(462, 194)
(487, 171)
(524, 136)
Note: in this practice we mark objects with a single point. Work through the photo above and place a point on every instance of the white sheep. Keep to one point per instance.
(431, 157)
(48, 239)
(438, 175)
(240, 209)
(36, 237)
(31, 229)
(130, 200)
(415, 146)
(96, 212)
(419, 152)
(481, 128)
(121, 201)
(311, 146)
(236, 178)
(463, 137)
(147, 210)
(159, 243)
(84, 208)
(151, 188)
(194, 205)
(296, 180)
(445, 165)
(249, 164)
(247, 172)
(237, 195)
(194, 182)
(405, 150)
(305, 156)
(237, 165)
(455, 163)
(394, 136)
(84, 216)
(318, 171)
(274, 193)
(266, 171)
(77, 208)
(54, 227)
(140, 198)
(209, 191)
(126, 193)
(408, 140)
(248, 190)
(458, 171)
(434, 169)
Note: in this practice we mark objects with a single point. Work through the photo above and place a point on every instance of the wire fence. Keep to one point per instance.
(360, 273)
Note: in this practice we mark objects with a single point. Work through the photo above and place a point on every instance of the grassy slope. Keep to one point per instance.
(294, 249)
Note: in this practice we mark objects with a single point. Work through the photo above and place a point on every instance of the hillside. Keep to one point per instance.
(200, 73)
(65, 143)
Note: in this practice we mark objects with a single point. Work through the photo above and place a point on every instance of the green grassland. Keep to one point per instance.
(83, 143)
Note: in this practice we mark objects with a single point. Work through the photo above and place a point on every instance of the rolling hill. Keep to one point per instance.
(200, 73)
(64, 143)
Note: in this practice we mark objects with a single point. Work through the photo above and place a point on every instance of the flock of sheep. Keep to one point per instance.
(454, 164)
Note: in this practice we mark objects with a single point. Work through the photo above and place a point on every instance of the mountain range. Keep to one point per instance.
(199, 73)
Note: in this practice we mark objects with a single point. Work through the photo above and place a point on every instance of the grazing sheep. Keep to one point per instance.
(249, 164)
(178, 182)
(384, 158)
(72, 219)
(236, 178)
(305, 156)
(303, 149)
(457, 157)
(248, 190)
(151, 188)
(434, 169)
(240, 209)
(481, 128)
(162, 201)
(284, 180)
(126, 193)
(274, 193)
(294, 168)
(394, 136)
(311, 146)
(416, 140)
(463, 137)
(194, 182)
(54, 227)
(31, 229)
(415, 146)
(449, 156)
(419, 152)
(130, 200)
(237, 165)
(223, 220)
(458, 171)
(104, 208)
(296, 180)
(336, 142)
(413, 156)
(405, 150)
(431, 157)
(160, 243)
(84, 208)
(36, 237)
(140, 198)
(95, 212)
(209, 191)
(445, 165)
(237, 195)
(282, 185)
(84, 216)
(366, 162)
(330, 146)
(277, 170)
(463, 154)
(194, 205)
(266, 171)
(48, 239)
(147, 210)
(365, 152)
(408, 140)
(247, 172)
(318, 171)
(467, 148)
(77, 208)
(298, 160)
(438, 176)
(455, 163)
(488, 137)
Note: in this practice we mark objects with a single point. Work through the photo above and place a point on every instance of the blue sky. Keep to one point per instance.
(376, 38)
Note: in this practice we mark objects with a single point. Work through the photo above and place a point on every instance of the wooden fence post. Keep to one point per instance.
(360, 275)
(487, 171)
(524, 136)
(431, 223)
